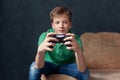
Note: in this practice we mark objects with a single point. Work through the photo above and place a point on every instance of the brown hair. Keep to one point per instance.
(60, 11)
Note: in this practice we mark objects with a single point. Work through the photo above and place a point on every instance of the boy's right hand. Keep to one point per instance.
(47, 44)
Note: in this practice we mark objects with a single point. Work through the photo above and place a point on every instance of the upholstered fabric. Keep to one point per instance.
(102, 50)
(57, 77)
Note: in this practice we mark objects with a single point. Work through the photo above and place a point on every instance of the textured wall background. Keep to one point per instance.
(22, 21)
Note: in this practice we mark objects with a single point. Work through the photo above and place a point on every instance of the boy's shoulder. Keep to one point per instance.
(48, 31)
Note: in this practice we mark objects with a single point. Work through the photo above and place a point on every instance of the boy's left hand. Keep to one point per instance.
(70, 40)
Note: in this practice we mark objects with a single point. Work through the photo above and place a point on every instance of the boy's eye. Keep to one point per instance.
(56, 22)
(66, 22)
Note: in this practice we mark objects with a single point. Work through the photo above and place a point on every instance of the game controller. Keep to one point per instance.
(60, 38)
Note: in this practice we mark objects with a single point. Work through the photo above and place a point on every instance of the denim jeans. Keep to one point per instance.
(49, 68)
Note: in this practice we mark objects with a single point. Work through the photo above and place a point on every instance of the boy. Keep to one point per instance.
(54, 57)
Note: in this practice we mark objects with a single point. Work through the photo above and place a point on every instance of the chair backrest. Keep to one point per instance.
(102, 50)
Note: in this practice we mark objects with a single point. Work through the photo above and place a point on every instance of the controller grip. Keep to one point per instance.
(50, 46)
(51, 42)
(68, 45)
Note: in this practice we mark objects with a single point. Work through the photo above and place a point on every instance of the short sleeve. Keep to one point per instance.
(41, 38)
(79, 41)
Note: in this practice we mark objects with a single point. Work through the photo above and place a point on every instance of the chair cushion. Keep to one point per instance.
(57, 77)
(104, 74)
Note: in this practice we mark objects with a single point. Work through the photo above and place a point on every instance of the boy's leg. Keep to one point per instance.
(35, 73)
(71, 69)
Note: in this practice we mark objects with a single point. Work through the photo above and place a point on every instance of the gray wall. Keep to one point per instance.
(22, 21)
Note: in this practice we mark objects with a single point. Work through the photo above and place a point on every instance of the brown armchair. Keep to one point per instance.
(102, 54)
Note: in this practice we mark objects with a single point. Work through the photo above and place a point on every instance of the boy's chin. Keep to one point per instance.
(61, 32)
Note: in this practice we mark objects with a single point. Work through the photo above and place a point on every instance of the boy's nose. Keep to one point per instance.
(61, 25)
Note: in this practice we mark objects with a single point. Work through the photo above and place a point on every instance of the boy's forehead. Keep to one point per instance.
(61, 16)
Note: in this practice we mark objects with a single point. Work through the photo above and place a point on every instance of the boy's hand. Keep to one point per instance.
(70, 40)
(47, 44)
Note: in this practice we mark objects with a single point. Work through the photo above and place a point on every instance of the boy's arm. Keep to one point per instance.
(80, 60)
(42, 48)
(39, 59)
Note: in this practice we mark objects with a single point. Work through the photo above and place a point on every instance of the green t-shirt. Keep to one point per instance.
(60, 55)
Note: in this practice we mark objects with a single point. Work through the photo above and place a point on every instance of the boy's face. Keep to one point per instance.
(61, 24)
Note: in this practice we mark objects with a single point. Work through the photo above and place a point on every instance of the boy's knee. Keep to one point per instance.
(33, 68)
(83, 75)
(34, 73)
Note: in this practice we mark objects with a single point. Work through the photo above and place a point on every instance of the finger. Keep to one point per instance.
(49, 49)
(70, 38)
(70, 34)
(69, 48)
(51, 44)
(52, 39)
(68, 44)
(50, 34)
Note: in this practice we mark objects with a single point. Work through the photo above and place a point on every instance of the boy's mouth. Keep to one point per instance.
(61, 31)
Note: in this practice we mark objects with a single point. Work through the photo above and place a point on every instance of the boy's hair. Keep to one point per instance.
(57, 11)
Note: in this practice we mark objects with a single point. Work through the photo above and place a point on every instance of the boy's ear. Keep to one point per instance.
(70, 25)
(52, 25)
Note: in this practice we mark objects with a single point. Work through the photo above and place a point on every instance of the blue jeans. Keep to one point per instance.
(49, 68)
